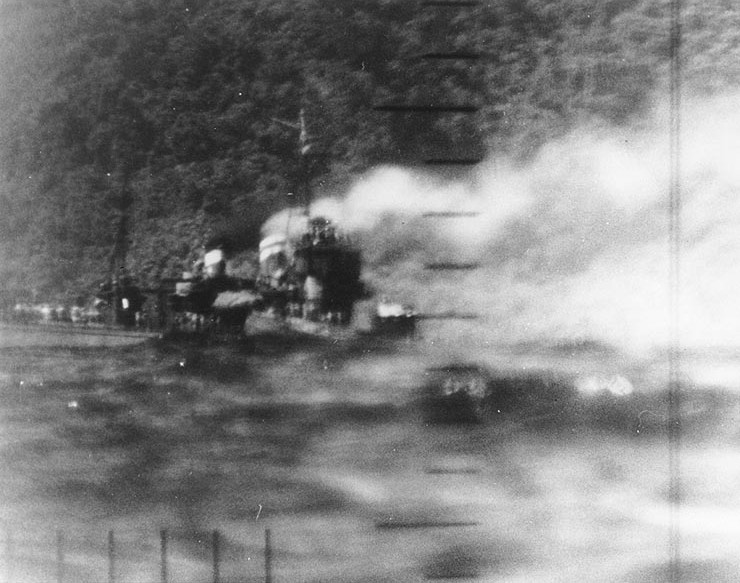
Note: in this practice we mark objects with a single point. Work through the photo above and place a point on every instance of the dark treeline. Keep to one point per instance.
(132, 130)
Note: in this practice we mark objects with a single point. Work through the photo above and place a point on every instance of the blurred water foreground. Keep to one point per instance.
(324, 443)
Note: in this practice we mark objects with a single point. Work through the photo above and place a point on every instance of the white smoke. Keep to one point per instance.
(572, 246)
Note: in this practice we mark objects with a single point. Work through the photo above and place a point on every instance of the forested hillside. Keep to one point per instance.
(132, 130)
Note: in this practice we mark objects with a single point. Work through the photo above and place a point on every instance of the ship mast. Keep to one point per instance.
(305, 151)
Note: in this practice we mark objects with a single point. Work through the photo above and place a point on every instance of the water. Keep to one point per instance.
(323, 443)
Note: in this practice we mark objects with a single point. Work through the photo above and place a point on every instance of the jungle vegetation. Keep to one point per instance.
(132, 130)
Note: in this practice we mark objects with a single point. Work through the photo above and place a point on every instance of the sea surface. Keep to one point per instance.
(323, 442)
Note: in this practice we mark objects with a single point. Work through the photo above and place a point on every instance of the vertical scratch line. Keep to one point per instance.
(674, 352)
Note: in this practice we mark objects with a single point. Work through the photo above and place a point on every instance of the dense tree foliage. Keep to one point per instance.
(132, 130)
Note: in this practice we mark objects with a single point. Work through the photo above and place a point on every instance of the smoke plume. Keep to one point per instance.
(572, 246)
